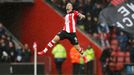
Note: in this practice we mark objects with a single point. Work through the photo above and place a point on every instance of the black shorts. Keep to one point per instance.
(70, 36)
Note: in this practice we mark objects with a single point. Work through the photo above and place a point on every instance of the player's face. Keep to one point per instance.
(69, 7)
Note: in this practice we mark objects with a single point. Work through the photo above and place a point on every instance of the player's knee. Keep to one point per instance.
(56, 39)
(77, 47)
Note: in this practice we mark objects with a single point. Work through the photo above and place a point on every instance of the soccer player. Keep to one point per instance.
(68, 32)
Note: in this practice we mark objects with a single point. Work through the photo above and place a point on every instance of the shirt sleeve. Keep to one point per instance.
(76, 13)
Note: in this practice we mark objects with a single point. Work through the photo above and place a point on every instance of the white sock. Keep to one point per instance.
(45, 50)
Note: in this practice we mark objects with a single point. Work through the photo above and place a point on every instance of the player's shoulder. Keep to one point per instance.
(76, 12)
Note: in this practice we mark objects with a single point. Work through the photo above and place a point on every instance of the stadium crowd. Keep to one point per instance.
(117, 46)
(8, 50)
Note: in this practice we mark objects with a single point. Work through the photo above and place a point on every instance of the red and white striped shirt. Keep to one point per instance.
(70, 22)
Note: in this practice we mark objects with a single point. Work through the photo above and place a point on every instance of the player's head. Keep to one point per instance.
(69, 7)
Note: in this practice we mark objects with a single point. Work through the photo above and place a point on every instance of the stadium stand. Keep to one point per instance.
(101, 34)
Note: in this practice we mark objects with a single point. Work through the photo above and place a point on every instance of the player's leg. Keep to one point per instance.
(79, 48)
(74, 41)
(49, 45)
(81, 52)
(60, 36)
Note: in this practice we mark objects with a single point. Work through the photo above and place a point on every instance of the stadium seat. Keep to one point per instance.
(113, 53)
(127, 57)
(120, 57)
(112, 66)
(113, 56)
(119, 66)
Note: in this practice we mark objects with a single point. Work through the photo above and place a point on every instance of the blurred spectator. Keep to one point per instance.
(19, 54)
(10, 47)
(5, 52)
(123, 40)
(76, 3)
(114, 44)
(103, 30)
(87, 23)
(12, 51)
(1, 54)
(2, 30)
(97, 8)
(60, 4)
(87, 6)
(26, 53)
(77, 62)
(89, 52)
(116, 60)
(132, 51)
(8, 51)
(96, 36)
(113, 33)
(59, 53)
(104, 60)
(9, 38)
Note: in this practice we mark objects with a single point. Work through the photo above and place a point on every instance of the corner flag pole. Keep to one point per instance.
(35, 57)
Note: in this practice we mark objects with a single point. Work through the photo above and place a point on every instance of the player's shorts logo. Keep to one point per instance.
(76, 40)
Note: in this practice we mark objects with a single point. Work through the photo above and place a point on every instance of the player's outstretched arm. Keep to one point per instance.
(81, 16)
